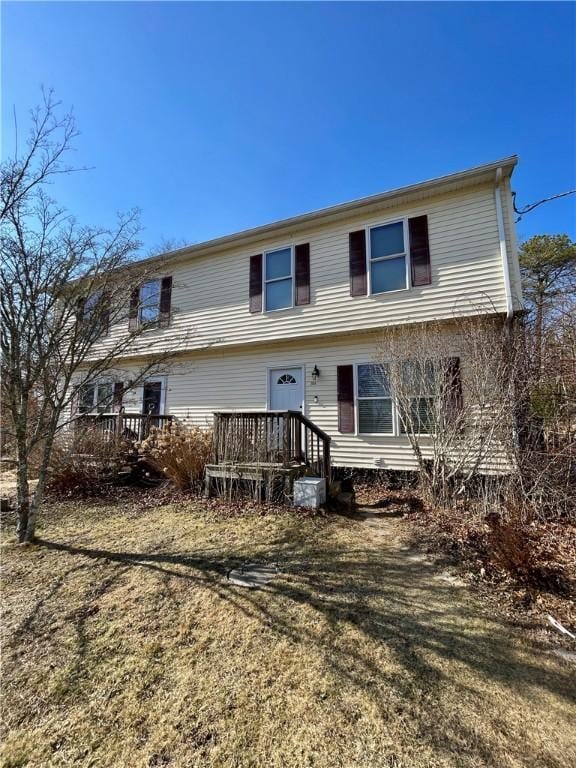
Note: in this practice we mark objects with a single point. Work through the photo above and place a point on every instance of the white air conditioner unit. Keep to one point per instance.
(310, 492)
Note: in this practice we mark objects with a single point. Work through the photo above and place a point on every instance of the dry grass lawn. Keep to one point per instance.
(123, 645)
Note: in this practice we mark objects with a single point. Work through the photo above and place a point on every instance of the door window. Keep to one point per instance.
(152, 398)
(286, 389)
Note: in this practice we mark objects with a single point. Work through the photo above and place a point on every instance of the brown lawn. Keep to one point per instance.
(123, 645)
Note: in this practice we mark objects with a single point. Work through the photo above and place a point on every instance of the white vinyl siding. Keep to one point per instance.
(216, 380)
(210, 294)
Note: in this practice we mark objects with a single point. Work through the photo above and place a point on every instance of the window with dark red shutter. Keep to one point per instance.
(118, 395)
(302, 259)
(165, 301)
(357, 257)
(345, 387)
(133, 309)
(421, 272)
(256, 283)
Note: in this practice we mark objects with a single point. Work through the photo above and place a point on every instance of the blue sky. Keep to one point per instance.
(214, 117)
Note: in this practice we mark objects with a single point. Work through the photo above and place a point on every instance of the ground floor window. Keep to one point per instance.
(383, 410)
(416, 398)
(374, 399)
(96, 398)
(104, 397)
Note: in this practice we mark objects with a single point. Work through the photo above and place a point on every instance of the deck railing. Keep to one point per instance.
(271, 437)
(132, 427)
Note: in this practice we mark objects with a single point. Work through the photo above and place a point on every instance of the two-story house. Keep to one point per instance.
(287, 316)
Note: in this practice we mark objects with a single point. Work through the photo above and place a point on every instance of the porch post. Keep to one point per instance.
(119, 420)
(286, 436)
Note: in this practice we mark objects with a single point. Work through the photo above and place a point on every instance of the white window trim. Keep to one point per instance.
(395, 426)
(265, 281)
(141, 305)
(396, 422)
(94, 386)
(405, 253)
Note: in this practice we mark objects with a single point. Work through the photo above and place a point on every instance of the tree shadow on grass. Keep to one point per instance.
(388, 597)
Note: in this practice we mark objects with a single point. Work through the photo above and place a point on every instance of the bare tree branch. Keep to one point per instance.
(64, 295)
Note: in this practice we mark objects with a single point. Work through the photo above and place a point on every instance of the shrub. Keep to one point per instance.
(180, 452)
(515, 544)
(85, 465)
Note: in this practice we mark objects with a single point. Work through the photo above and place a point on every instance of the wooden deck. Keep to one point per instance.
(268, 448)
(131, 427)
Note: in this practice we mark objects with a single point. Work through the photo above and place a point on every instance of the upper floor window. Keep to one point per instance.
(95, 312)
(149, 302)
(91, 305)
(387, 257)
(278, 279)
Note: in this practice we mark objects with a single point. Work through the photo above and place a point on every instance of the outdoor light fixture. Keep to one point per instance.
(315, 374)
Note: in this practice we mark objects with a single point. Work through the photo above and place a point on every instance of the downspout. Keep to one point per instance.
(503, 247)
(508, 327)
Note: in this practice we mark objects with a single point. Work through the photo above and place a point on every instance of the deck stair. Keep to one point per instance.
(269, 448)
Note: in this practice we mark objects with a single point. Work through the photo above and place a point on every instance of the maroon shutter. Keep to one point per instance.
(345, 376)
(165, 301)
(133, 309)
(357, 255)
(105, 313)
(256, 283)
(302, 274)
(75, 402)
(452, 390)
(80, 302)
(118, 395)
(419, 251)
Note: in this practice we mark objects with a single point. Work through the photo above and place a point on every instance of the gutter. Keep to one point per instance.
(503, 246)
(479, 174)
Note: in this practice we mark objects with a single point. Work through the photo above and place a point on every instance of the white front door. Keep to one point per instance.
(286, 389)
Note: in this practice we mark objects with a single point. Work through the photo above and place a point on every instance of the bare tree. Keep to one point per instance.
(469, 405)
(64, 305)
(453, 390)
(167, 245)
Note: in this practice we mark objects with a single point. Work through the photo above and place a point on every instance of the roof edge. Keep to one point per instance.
(507, 164)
